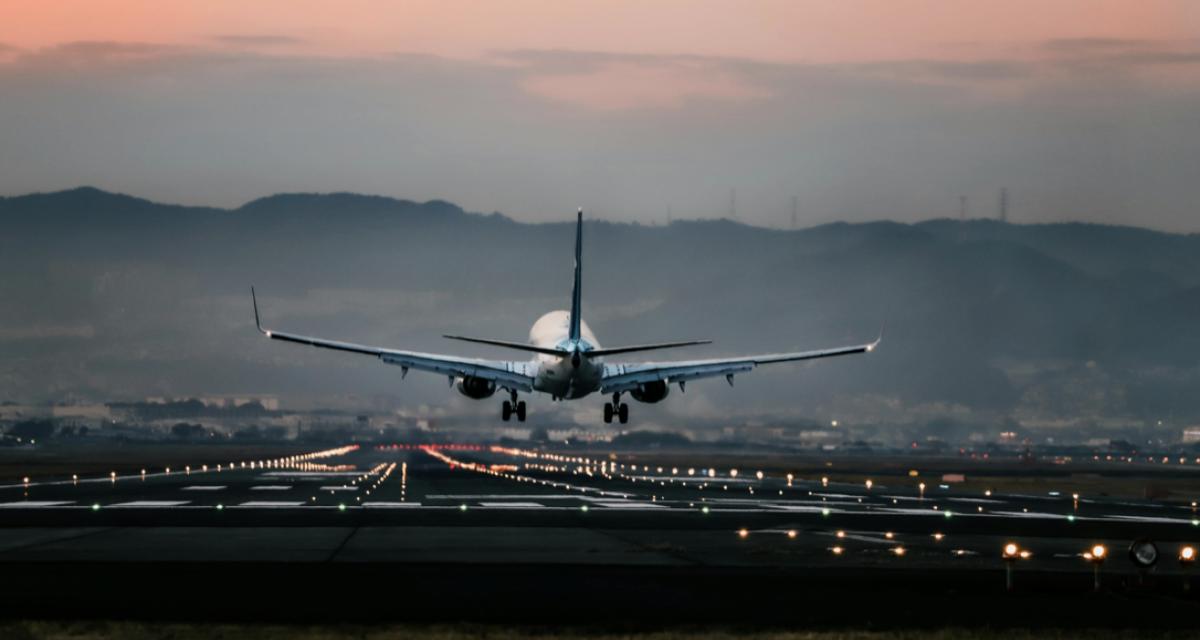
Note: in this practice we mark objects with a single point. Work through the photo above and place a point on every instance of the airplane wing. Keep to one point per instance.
(505, 373)
(626, 377)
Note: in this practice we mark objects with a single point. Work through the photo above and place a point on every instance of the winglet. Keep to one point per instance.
(257, 322)
(871, 347)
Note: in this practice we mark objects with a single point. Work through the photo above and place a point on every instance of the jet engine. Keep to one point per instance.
(476, 388)
(651, 391)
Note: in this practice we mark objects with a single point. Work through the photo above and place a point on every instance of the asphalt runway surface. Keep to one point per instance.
(494, 533)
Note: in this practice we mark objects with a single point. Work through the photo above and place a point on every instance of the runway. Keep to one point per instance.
(564, 525)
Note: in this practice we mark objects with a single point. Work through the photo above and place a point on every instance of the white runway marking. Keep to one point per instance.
(1150, 519)
(271, 487)
(512, 505)
(914, 512)
(33, 504)
(1031, 514)
(205, 487)
(390, 505)
(270, 504)
(340, 487)
(514, 496)
(802, 508)
(312, 474)
(623, 504)
(151, 503)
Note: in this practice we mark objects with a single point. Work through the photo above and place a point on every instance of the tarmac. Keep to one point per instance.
(493, 533)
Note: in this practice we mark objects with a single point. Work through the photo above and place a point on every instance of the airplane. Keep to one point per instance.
(568, 361)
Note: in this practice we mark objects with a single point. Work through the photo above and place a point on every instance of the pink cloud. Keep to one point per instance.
(625, 85)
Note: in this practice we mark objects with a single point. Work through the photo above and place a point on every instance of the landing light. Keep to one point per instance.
(742, 533)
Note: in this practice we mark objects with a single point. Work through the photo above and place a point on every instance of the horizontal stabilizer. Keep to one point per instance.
(645, 347)
(520, 346)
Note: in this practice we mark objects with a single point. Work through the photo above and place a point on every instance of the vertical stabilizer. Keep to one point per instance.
(577, 293)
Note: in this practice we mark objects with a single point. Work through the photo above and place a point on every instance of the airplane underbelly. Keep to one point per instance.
(564, 381)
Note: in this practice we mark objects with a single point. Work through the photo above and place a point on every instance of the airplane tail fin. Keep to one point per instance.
(576, 292)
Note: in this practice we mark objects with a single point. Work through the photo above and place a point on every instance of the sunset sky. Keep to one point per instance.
(862, 109)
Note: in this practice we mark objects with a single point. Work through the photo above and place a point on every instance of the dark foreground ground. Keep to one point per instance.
(518, 543)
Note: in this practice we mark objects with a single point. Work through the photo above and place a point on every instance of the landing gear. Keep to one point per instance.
(617, 408)
(513, 406)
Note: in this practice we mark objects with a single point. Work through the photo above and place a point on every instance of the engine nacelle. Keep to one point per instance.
(651, 391)
(476, 388)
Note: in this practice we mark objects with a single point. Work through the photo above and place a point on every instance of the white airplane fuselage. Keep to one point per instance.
(564, 376)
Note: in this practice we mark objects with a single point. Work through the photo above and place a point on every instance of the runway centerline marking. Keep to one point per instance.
(206, 487)
(35, 504)
(147, 504)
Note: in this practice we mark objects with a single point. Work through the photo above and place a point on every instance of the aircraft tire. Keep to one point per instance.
(521, 411)
(506, 411)
(608, 412)
(623, 413)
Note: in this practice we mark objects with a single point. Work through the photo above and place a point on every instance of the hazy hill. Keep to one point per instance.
(109, 296)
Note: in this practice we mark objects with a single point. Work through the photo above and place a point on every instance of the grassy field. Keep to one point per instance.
(37, 630)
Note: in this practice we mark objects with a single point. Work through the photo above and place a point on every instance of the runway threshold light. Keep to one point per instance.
(742, 533)
(1187, 555)
(1096, 556)
(1011, 553)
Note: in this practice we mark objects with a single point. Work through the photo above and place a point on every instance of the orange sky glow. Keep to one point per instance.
(809, 31)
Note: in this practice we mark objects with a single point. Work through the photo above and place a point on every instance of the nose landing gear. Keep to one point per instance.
(511, 407)
(616, 408)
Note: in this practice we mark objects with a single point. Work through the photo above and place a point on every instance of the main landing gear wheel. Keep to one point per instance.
(506, 410)
(621, 412)
(521, 411)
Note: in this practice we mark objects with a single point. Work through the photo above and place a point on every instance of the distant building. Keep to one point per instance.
(270, 403)
(1191, 435)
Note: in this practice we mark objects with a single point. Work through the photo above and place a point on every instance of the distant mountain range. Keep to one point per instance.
(1073, 326)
